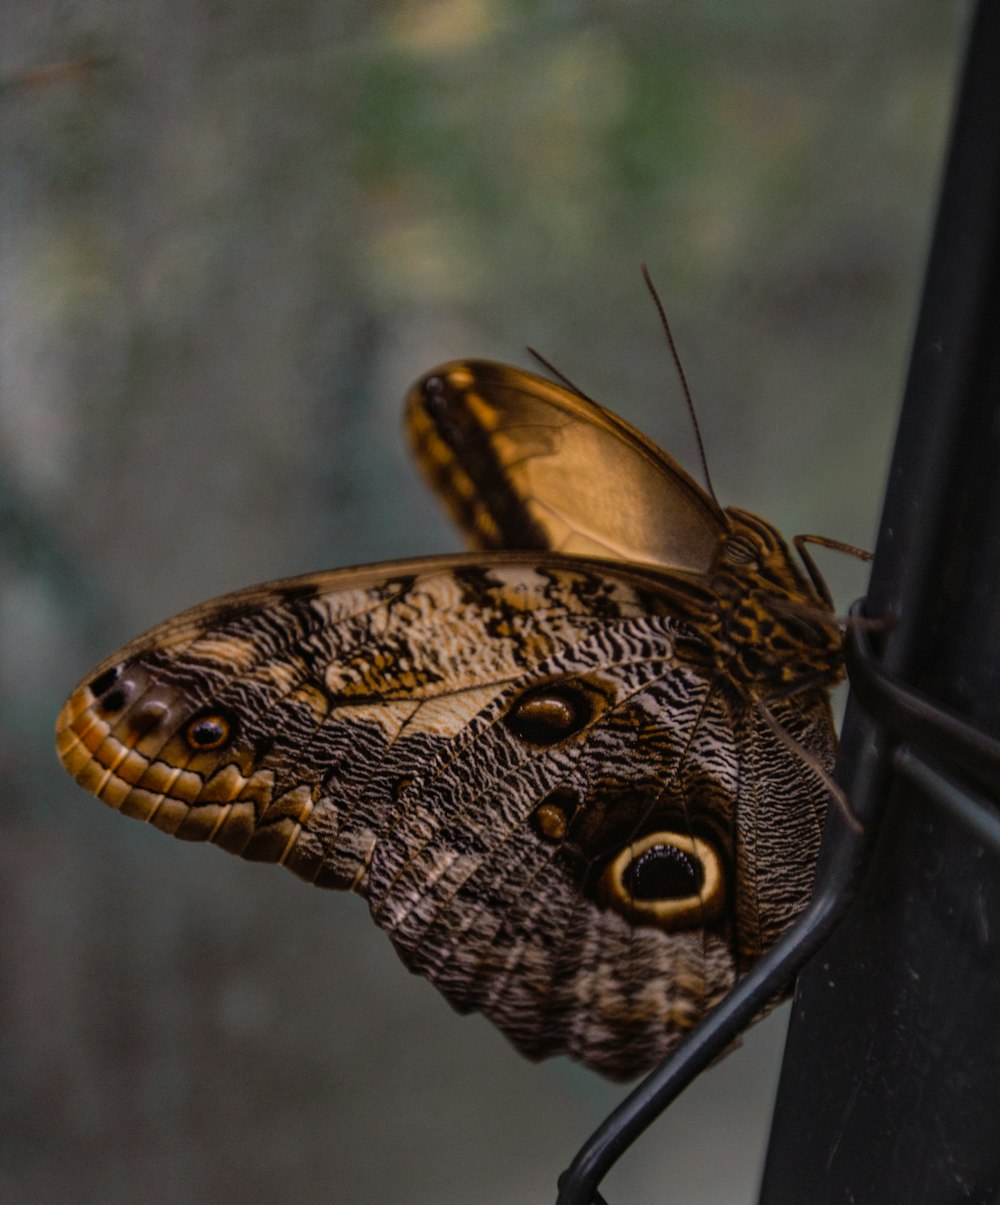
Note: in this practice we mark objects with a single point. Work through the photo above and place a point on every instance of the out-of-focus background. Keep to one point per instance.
(232, 234)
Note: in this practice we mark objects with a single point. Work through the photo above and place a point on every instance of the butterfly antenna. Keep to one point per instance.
(561, 377)
(684, 384)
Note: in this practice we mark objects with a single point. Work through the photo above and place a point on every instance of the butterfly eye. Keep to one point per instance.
(666, 879)
(208, 732)
(740, 549)
(549, 714)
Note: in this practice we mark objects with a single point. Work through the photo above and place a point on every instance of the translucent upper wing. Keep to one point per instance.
(523, 463)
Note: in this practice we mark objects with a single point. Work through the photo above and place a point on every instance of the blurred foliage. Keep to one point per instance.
(232, 234)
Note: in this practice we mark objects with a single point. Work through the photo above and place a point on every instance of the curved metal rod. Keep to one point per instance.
(578, 1184)
(914, 719)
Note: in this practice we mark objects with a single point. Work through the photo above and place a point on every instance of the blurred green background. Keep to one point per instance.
(232, 235)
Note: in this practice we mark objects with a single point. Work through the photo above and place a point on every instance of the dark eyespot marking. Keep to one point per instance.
(210, 731)
(551, 713)
(438, 396)
(552, 817)
(663, 872)
(105, 681)
(672, 880)
(149, 714)
(435, 393)
(115, 699)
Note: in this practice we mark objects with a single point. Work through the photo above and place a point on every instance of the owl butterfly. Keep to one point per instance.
(576, 782)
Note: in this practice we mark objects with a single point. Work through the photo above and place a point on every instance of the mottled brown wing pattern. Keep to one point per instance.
(469, 745)
(556, 779)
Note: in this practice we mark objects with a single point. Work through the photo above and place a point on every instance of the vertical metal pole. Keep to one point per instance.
(888, 1089)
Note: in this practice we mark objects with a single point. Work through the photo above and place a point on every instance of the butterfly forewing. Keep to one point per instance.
(523, 463)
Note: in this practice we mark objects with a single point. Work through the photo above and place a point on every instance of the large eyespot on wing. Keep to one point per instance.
(673, 880)
(493, 882)
(523, 463)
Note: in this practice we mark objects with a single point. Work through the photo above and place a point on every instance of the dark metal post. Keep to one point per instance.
(889, 1089)
(889, 1086)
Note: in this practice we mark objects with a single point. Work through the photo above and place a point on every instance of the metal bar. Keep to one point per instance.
(888, 1084)
(948, 402)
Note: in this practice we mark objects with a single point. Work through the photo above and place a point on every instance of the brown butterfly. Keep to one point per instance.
(580, 784)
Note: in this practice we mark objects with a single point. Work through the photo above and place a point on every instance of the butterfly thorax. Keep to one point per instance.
(773, 631)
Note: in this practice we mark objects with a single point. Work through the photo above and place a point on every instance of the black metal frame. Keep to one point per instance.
(888, 1088)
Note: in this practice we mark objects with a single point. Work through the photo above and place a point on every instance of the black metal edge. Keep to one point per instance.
(957, 283)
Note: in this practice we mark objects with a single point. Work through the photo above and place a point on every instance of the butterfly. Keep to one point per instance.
(578, 774)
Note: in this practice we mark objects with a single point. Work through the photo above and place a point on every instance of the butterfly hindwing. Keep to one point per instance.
(475, 786)
(490, 879)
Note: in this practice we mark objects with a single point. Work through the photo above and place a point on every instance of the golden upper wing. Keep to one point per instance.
(524, 463)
